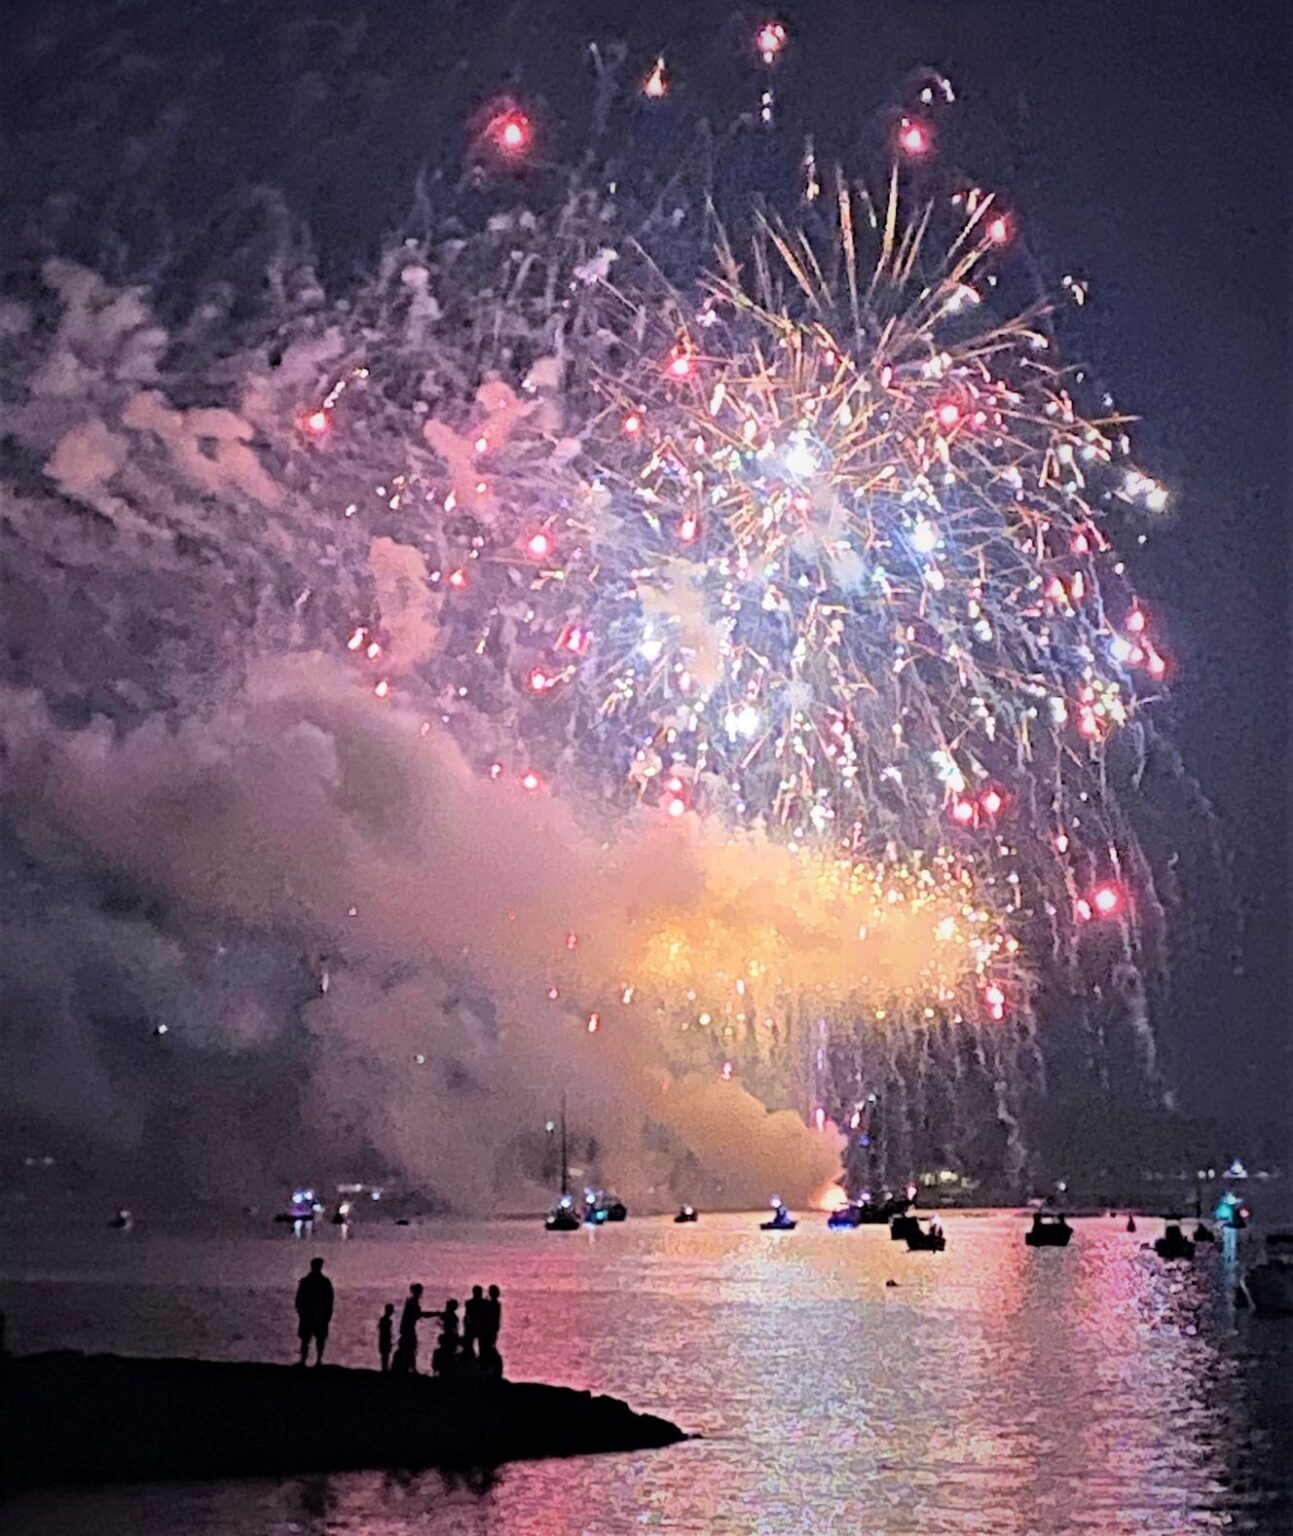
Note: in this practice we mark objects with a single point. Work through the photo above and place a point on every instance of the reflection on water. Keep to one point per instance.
(994, 1389)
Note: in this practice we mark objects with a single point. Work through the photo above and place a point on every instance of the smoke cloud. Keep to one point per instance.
(431, 911)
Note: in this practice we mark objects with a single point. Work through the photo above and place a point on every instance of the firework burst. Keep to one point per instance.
(817, 547)
(848, 569)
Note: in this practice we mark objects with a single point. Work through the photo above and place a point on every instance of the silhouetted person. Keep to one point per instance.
(491, 1325)
(446, 1353)
(451, 1322)
(472, 1321)
(313, 1311)
(406, 1355)
(445, 1359)
(385, 1327)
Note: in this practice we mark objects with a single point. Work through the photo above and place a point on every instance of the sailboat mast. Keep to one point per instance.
(565, 1164)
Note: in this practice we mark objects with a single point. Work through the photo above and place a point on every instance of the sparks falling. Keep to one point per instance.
(824, 557)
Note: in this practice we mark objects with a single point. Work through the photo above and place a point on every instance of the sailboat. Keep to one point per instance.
(563, 1217)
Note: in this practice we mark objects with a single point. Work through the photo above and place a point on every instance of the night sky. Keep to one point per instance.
(1143, 147)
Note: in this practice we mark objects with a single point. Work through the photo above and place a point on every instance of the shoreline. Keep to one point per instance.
(73, 1418)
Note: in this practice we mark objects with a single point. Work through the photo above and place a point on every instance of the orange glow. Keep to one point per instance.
(830, 1197)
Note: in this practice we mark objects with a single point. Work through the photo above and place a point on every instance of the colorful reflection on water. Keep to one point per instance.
(993, 1389)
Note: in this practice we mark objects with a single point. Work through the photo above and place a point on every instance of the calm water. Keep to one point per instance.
(995, 1390)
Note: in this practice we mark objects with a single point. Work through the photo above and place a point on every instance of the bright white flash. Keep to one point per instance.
(742, 720)
(800, 459)
(924, 537)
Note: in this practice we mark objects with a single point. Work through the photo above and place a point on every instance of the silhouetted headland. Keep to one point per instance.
(96, 1418)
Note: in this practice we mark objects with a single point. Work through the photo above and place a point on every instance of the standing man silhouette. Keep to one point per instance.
(385, 1327)
(406, 1353)
(313, 1311)
(491, 1324)
(473, 1321)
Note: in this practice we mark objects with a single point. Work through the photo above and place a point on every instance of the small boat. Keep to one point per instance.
(600, 1208)
(594, 1212)
(302, 1209)
(563, 1217)
(1048, 1232)
(867, 1213)
(782, 1220)
(1131, 1223)
(901, 1227)
(1174, 1244)
(123, 1221)
(928, 1239)
(685, 1213)
(1231, 1212)
(1268, 1286)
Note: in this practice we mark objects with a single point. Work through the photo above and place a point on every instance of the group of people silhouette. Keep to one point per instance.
(467, 1342)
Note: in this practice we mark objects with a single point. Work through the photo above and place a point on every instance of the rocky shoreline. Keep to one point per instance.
(96, 1418)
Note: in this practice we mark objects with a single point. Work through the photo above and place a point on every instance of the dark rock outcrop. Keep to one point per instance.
(79, 1418)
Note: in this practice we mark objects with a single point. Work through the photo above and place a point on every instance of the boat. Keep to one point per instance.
(1174, 1244)
(866, 1212)
(1268, 1286)
(1131, 1224)
(301, 1212)
(594, 1211)
(1048, 1232)
(922, 1239)
(123, 1221)
(781, 1220)
(902, 1226)
(685, 1213)
(563, 1217)
(1231, 1212)
(599, 1209)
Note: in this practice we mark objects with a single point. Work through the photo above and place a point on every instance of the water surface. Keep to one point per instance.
(994, 1389)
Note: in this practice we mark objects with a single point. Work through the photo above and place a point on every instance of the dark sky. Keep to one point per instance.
(1143, 147)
